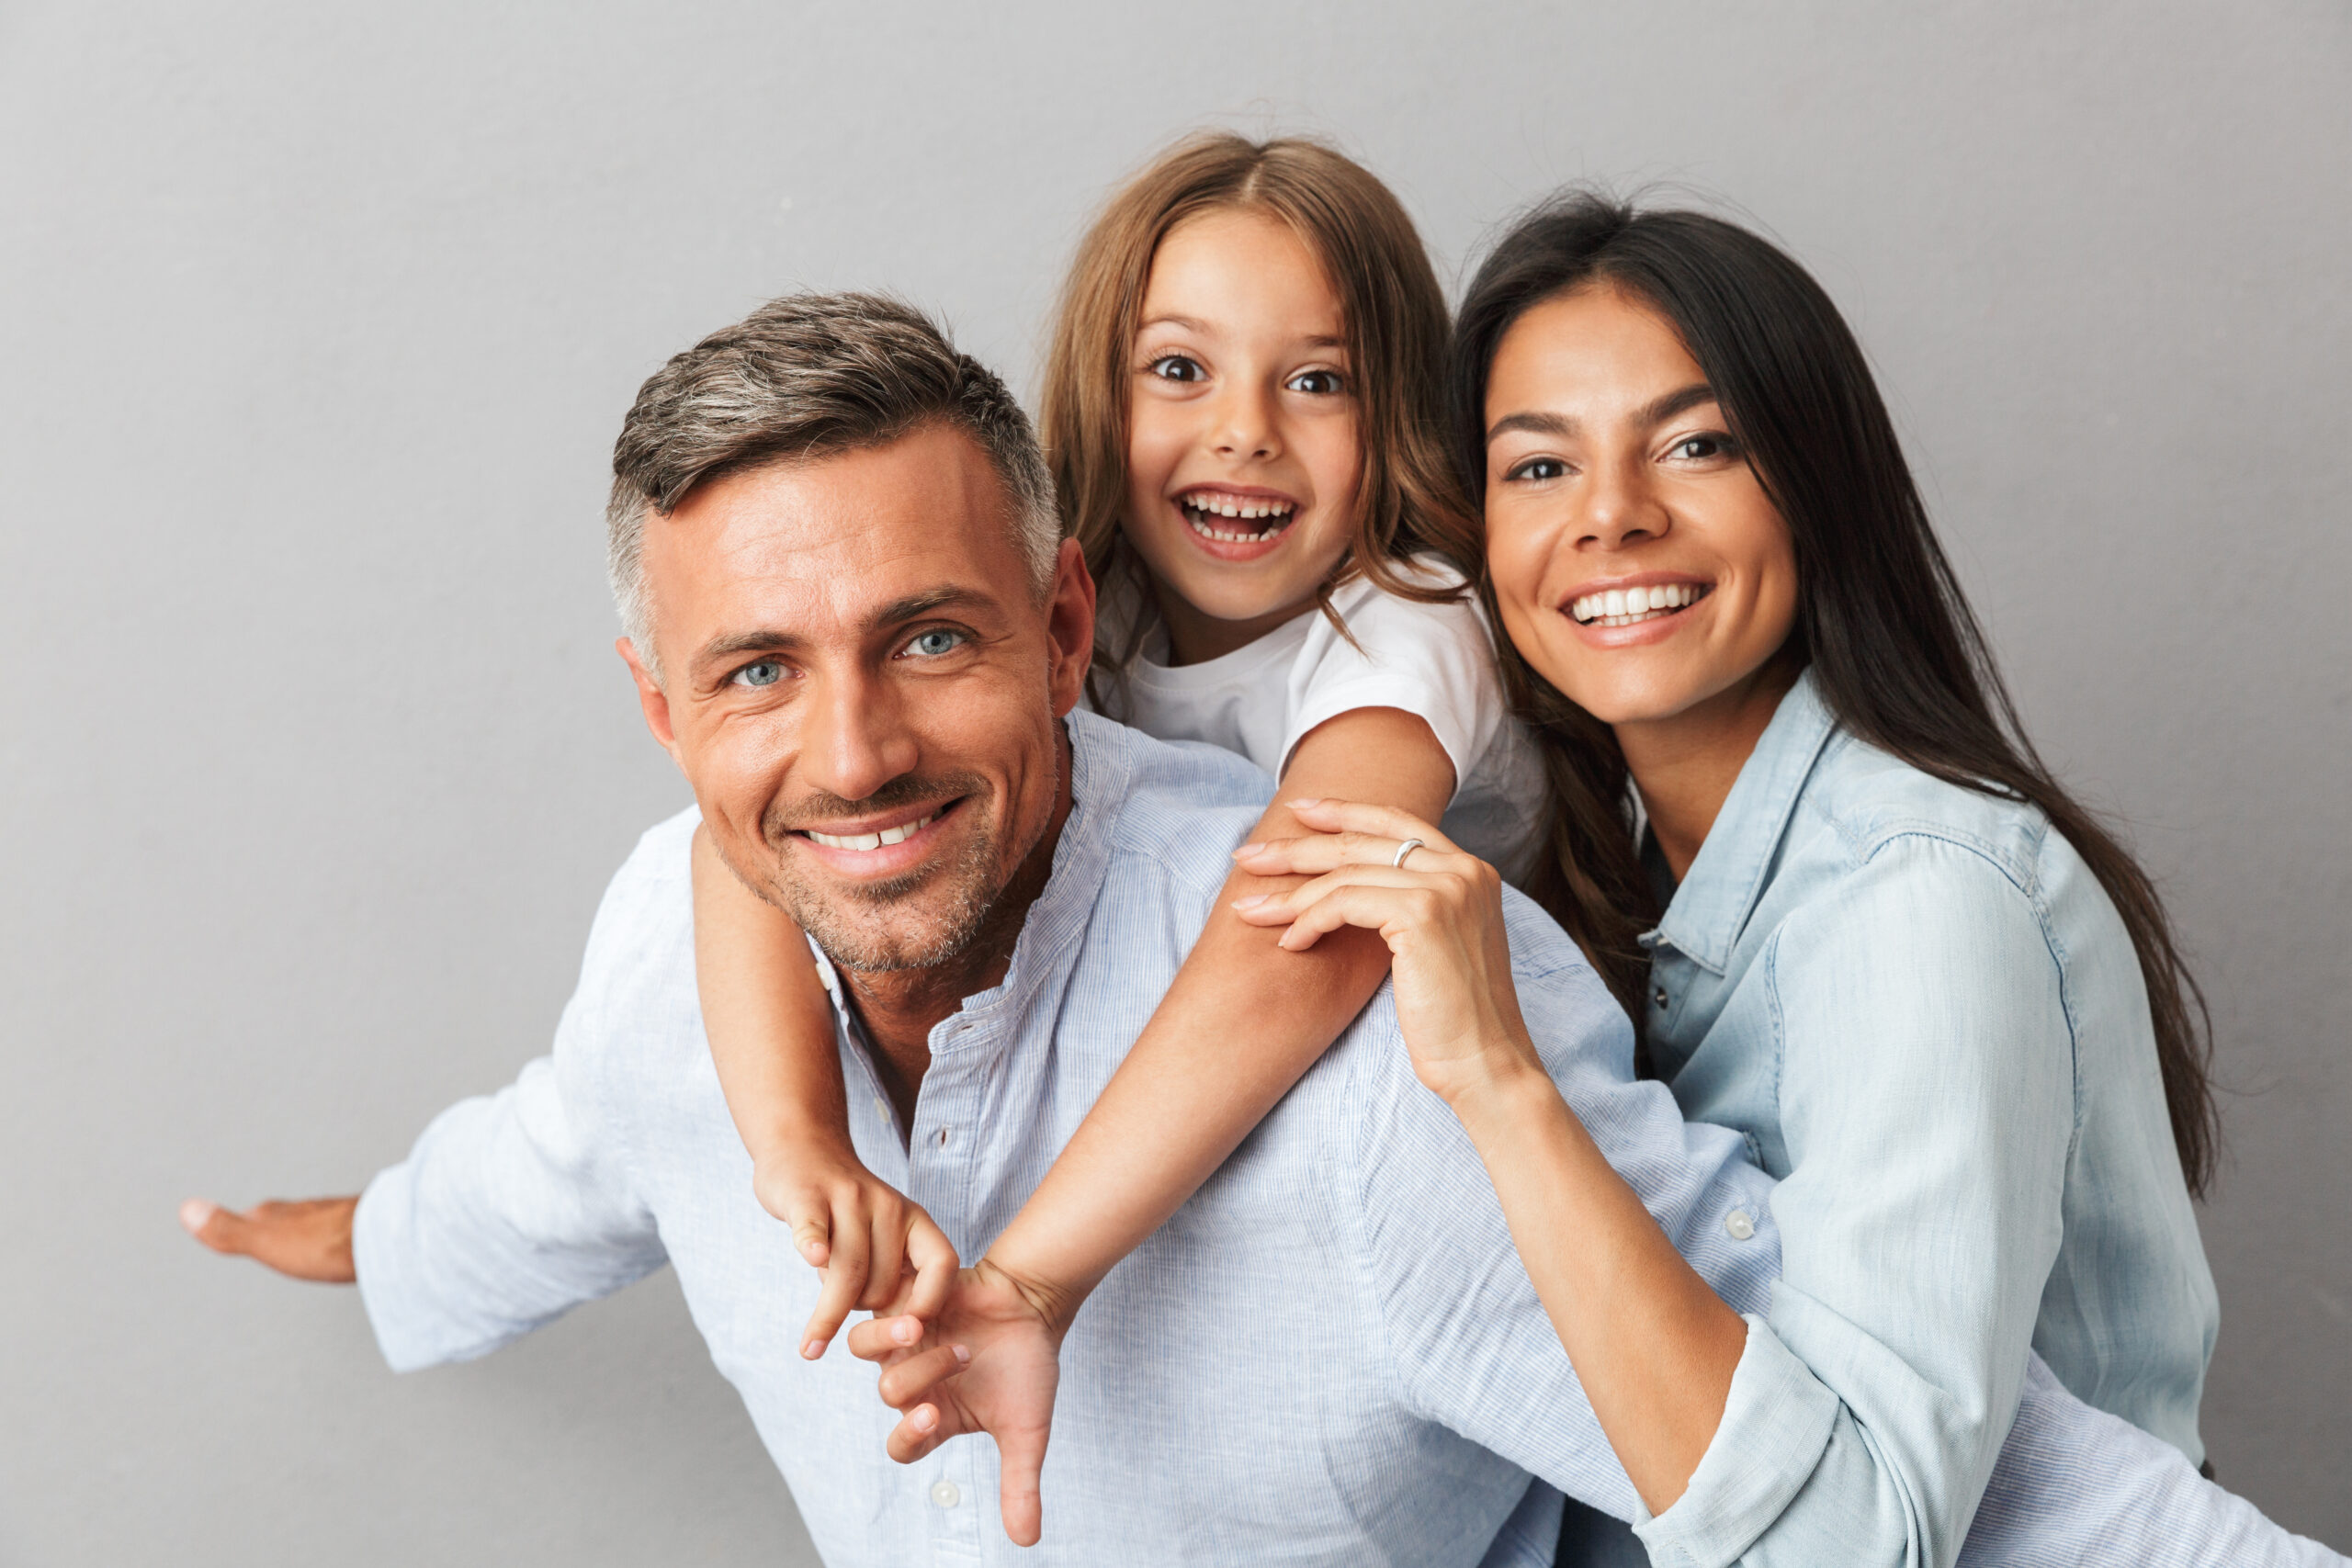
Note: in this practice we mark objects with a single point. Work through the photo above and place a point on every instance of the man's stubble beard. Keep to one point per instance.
(956, 897)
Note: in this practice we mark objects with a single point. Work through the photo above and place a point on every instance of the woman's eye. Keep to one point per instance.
(1176, 367)
(1539, 468)
(932, 644)
(1320, 383)
(1699, 448)
(766, 673)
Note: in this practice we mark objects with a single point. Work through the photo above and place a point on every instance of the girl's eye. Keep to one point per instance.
(935, 642)
(1539, 468)
(1176, 367)
(1699, 448)
(1321, 383)
(765, 672)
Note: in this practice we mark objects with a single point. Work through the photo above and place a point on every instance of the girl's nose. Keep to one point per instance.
(1245, 424)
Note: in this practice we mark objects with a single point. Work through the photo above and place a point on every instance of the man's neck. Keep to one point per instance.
(899, 1007)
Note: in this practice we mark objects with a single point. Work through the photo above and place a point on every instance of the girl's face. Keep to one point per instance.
(1638, 564)
(1242, 454)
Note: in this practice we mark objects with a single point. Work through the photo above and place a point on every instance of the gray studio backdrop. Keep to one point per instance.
(316, 323)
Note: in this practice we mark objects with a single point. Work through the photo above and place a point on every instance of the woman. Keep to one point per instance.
(1852, 914)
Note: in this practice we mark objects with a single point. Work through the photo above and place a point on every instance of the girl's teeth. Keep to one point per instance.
(1624, 607)
(1199, 509)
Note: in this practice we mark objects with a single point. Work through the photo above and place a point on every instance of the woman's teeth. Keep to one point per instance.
(1624, 606)
(1199, 510)
(898, 835)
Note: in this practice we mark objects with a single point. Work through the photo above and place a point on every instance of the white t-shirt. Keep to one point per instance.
(1431, 660)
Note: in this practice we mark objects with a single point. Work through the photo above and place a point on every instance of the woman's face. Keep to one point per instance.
(1638, 563)
(1242, 457)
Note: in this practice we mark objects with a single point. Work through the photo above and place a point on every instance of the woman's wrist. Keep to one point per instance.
(1505, 1089)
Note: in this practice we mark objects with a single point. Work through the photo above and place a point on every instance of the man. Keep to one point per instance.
(849, 611)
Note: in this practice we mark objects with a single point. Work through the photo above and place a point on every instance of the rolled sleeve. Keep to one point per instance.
(1778, 1420)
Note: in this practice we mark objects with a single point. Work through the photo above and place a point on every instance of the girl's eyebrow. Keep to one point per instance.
(1187, 322)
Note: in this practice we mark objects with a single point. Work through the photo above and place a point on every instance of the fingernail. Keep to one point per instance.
(1305, 801)
(814, 1349)
(1246, 851)
(924, 1418)
(963, 1355)
(907, 1330)
(1252, 902)
(196, 1213)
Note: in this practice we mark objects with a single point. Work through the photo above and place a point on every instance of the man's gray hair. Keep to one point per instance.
(806, 376)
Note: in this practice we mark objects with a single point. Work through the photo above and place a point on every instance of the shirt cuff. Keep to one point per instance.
(1776, 1421)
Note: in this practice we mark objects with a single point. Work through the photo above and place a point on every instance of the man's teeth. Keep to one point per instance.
(1624, 607)
(1199, 509)
(898, 835)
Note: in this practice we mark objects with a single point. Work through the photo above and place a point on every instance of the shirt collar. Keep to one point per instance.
(1102, 760)
(1711, 906)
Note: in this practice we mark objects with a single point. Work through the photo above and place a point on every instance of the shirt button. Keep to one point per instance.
(1661, 995)
(945, 1494)
(1740, 1226)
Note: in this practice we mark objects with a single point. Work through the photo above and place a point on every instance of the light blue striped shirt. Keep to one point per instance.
(1330, 1356)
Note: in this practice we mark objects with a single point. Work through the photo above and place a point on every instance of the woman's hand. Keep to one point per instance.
(1440, 912)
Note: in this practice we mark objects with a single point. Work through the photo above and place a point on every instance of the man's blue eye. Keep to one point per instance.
(766, 673)
(932, 644)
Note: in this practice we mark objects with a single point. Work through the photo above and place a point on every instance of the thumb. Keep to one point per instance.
(1021, 1457)
(222, 1230)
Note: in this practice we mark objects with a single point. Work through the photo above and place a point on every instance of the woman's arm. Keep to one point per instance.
(771, 1029)
(1242, 1022)
(1654, 1347)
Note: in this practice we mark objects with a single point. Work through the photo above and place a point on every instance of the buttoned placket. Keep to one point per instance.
(940, 1178)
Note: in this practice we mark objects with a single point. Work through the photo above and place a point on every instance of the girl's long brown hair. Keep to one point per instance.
(1408, 498)
(1897, 654)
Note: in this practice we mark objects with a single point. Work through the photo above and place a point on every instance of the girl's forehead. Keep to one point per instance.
(1234, 265)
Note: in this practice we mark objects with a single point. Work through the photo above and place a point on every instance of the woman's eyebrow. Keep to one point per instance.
(1657, 411)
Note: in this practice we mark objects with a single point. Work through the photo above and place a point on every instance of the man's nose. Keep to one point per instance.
(854, 738)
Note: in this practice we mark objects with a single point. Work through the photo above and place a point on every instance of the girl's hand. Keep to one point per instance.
(990, 1362)
(1441, 913)
(874, 1246)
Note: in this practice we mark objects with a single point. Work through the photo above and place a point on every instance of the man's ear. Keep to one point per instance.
(1069, 626)
(652, 699)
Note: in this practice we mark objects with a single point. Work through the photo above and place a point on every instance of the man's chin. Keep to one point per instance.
(919, 920)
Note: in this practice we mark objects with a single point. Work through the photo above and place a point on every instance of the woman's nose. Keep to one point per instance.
(1620, 507)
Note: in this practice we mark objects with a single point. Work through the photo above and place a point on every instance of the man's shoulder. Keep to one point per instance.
(1184, 803)
(641, 945)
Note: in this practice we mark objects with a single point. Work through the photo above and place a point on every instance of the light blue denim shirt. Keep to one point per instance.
(1927, 1017)
(1331, 1355)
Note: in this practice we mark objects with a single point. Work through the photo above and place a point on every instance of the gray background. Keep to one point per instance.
(315, 329)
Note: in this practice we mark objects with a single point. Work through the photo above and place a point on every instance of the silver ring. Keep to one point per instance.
(1408, 847)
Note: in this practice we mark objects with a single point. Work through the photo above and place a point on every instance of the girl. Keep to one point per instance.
(1861, 921)
(1242, 408)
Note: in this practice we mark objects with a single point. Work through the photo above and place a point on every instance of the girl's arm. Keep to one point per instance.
(1653, 1344)
(770, 1030)
(1242, 1023)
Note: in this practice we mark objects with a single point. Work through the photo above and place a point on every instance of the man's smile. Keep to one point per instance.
(881, 844)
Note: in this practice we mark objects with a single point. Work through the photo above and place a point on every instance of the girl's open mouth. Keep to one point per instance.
(1232, 518)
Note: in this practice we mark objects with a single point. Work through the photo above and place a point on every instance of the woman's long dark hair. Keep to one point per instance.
(1896, 653)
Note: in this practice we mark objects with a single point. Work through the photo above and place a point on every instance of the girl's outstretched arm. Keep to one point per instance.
(770, 1030)
(1242, 1023)
(1653, 1344)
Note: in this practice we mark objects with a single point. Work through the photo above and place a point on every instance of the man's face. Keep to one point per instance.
(862, 686)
